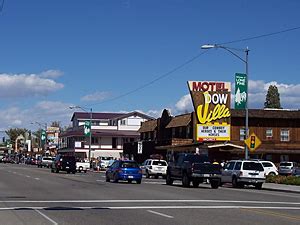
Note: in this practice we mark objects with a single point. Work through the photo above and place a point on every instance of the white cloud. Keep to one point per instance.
(42, 112)
(51, 74)
(24, 85)
(184, 104)
(97, 96)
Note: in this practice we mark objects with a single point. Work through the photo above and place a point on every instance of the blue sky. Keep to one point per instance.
(60, 53)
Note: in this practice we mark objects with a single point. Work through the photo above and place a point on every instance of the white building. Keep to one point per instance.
(109, 132)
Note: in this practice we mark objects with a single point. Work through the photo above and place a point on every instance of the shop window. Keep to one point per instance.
(284, 135)
(123, 122)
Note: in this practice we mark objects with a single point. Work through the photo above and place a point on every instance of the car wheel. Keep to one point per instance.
(85, 171)
(258, 185)
(196, 183)
(271, 174)
(116, 178)
(52, 170)
(156, 176)
(57, 171)
(73, 172)
(80, 168)
(185, 181)
(139, 181)
(214, 184)
(147, 174)
(169, 180)
(68, 171)
(107, 179)
(234, 182)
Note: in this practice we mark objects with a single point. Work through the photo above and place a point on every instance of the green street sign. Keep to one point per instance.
(43, 135)
(87, 128)
(240, 98)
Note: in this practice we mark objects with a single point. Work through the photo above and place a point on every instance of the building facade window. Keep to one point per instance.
(269, 133)
(242, 134)
(123, 122)
(284, 135)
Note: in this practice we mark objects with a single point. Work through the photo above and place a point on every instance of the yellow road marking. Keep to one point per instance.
(296, 218)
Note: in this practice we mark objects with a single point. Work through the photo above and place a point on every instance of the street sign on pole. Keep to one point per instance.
(252, 142)
(140, 147)
(240, 98)
(43, 136)
(87, 128)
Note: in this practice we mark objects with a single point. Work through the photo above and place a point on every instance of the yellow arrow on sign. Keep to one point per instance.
(252, 142)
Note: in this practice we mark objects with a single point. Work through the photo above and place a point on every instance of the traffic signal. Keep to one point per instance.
(252, 142)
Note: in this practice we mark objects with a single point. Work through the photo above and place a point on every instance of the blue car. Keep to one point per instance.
(127, 170)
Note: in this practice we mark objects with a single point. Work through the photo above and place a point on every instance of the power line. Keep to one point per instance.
(190, 61)
(155, 80)
(260, 36)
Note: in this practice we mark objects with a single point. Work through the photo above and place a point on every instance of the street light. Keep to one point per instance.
(90, 136)
(210, 46)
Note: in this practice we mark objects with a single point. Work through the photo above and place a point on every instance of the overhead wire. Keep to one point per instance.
(190, 61)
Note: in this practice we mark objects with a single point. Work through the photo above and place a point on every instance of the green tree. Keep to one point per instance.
(273, 98)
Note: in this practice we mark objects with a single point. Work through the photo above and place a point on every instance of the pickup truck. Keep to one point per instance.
(82, 166)
(194, 168)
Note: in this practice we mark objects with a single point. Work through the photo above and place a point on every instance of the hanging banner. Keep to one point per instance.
(211, 100)
(240, 98)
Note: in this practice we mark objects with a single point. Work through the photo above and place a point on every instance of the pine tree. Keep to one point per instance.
(273, 98)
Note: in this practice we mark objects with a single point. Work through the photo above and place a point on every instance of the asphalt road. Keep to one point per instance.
(31, 195)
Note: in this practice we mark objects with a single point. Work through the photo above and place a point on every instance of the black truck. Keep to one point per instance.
(193, 168)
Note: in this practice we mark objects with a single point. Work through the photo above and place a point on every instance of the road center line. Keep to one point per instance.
(160, 214)
(46, 217)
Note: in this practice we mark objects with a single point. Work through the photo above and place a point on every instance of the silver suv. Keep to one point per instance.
(241, 172)
(154, 167)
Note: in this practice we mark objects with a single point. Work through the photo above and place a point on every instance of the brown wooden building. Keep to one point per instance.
(278, 130)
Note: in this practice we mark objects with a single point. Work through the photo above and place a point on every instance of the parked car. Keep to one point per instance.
(46, 161)
(296, 172)
(39, 161)
(104, 161)
(193, 168)
(154, 167)
(270, 168)
(127, 170)
(241, 172)
(82, 165)
(64, 163)
(286, 168)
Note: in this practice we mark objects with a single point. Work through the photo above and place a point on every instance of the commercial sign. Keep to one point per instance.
(240, 98)
(211, 100)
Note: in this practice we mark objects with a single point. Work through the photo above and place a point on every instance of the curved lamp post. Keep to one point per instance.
(231, 50)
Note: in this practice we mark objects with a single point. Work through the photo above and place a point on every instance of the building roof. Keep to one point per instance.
(135, 113)
(95, 115)
(148, 126)
(267, 113)
(180, 121)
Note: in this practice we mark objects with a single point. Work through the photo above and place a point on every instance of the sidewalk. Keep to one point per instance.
(281, 187)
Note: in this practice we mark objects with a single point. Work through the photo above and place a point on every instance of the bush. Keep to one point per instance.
(290, 180)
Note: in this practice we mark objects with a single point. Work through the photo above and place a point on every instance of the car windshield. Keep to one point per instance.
(159, 163)
(286, 164)
(129, 165)
(253, 166)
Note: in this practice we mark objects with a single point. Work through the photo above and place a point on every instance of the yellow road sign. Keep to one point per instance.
(253, 142)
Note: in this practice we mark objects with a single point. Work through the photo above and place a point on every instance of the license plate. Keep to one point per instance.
(130, 176)
(205, 175)
(67, 167)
